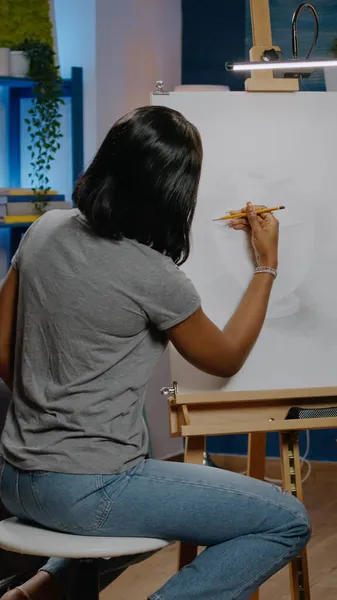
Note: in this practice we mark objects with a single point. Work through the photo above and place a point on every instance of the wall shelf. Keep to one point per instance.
(15, 82)
(17, 89)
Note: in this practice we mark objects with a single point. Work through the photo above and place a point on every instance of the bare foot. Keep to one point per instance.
(15, 595)
(41, 586)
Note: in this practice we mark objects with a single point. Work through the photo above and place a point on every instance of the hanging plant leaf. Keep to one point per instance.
(44, 117)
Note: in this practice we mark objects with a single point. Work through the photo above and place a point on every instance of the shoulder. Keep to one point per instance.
(162, 289)
(42, 230)
(51, 219)
(57, 216)
(152, 264)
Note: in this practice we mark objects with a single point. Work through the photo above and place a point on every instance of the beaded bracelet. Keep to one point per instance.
(268, 270)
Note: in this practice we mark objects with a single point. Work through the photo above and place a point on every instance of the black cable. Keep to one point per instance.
(294, 29)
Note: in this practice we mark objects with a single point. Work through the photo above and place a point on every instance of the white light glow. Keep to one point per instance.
(295, 66)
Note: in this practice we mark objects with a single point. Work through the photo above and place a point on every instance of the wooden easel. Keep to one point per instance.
(195, 416)
(199, 415)
(264, 81)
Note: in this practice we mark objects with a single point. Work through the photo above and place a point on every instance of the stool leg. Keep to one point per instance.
(292, 481)
(86, 583)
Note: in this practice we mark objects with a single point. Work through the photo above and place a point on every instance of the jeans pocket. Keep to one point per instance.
(70, 503)
(9, 492)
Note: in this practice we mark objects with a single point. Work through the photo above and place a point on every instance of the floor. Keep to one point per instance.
(321, 500)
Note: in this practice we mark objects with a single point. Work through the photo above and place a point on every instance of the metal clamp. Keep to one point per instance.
(170, 392)
(160, 90)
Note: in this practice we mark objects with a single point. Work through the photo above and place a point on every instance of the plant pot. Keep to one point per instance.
(330, 76)
(4, 62)
(19, 64)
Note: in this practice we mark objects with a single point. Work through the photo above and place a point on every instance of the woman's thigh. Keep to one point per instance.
(198, 504)
(176, 501)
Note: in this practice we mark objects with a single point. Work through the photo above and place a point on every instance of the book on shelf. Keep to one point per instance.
(24, 219)
(3, 207)
(31, 199)
(15, 209)
(23, 192)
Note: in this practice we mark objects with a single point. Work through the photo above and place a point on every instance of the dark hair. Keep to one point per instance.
(143, 182)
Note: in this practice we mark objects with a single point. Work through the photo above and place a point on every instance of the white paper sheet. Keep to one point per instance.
(270, 149)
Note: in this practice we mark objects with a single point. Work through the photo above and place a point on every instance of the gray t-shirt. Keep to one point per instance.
(91, 323)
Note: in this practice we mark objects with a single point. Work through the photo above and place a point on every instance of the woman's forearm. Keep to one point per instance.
(245, 325)
(223, 353)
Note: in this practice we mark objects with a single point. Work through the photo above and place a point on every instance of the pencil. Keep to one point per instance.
(242, 215)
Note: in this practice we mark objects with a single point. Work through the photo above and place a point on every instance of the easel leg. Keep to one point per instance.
(256, 465)
(292, 481)
(194, 454)
(257, 443)
(194, 450)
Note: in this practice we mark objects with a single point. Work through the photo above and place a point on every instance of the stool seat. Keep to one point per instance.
(23, 538)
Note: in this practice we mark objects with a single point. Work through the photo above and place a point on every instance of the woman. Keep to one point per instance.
(92, 298)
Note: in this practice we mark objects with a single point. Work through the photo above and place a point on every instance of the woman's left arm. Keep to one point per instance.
(8, 308)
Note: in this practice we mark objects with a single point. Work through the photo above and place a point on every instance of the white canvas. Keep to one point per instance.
(270, 149)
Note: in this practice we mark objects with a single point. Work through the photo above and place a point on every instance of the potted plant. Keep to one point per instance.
(43, 121)
(331, 73)
(4, 59)
(18, 63)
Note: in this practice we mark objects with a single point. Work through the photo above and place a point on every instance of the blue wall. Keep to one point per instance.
(218, 31)
(213, 34)
(323, 445)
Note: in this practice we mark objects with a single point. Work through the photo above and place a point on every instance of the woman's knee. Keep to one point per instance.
(298, 525)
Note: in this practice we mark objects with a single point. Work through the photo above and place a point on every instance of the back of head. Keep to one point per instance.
(143, 182)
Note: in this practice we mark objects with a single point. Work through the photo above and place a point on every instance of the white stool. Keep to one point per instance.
(16, 536)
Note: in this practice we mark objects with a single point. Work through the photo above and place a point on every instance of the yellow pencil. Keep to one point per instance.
(259, 211)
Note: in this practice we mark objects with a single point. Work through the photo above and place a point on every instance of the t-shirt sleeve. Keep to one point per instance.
(171, 297)
(15, 262)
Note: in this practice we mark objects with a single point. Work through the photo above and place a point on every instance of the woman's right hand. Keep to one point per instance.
(264, 231)
(222, 353)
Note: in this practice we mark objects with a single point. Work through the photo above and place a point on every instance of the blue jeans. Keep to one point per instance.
(251, 529)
